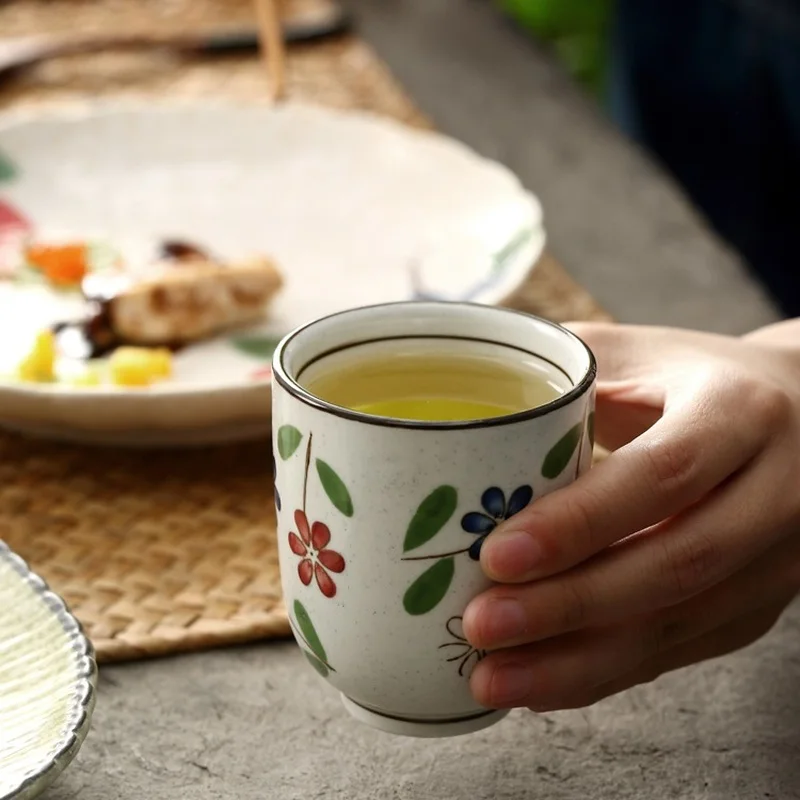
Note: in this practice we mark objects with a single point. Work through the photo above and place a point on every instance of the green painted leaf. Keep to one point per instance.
(334, 488)
(590, 428)
(503, 256)
(429, 589)
(289, 439)
(261, 347)
(7, 169)
(309, 631)
(316, 663)
(561, 454)
(431, 516)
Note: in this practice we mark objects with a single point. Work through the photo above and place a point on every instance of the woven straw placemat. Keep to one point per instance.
(161, 552)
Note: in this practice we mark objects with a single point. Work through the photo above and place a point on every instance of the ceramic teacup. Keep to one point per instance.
(377, 517)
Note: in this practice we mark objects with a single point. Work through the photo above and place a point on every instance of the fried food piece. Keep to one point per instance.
(173, 305)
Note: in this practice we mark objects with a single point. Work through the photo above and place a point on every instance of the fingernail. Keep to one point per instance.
(499, 621)
(510, 685)
(510, 554)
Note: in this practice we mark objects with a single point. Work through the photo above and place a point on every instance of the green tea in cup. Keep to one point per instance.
(435, 379)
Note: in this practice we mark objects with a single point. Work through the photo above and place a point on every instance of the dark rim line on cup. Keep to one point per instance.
(292, 386)
(424, 337)
(432, 722)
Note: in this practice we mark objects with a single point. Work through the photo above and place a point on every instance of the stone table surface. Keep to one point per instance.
(256, 722)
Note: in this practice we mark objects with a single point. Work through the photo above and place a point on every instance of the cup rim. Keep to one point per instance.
(296, 390)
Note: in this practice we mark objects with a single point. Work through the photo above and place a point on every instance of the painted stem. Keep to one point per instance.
(438, 555)
(466, 660)
(308, 464)
(580, 447)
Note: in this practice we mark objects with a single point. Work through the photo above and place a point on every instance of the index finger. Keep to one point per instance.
(696, 445)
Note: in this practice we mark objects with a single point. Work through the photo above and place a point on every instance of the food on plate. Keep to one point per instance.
(127, 366)
(174, 305)
(171, 304)
(184, 297)
(39, 365)
(62, 265)
(139, 366)
(85, 378)
(137, 316)
(181, 250)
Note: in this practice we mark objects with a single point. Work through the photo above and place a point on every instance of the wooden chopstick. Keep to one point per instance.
(272, 46)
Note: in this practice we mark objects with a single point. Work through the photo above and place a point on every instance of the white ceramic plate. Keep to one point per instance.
(355, 208)
(48, 678)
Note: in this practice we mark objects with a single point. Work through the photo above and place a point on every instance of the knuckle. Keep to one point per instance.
(771, 405)
(689, 565)
(761, 401)
(662, 634)
(538, 524)
(673, 462)
(576, 604)
(582, 520)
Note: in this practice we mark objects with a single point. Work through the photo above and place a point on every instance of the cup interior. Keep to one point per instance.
(303, 351)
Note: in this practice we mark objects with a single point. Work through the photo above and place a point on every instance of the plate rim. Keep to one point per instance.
(86, 681)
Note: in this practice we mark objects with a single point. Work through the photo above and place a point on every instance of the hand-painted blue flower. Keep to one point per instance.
(497, 510)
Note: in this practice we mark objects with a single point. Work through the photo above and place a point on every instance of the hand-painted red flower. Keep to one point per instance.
(317, 560)
(14, 229)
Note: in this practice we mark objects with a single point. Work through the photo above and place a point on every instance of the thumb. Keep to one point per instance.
(626, 352)
(625, 411)
(632, 371)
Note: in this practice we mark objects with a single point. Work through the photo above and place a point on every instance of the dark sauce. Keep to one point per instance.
(89, 337)
(92, 335)
(181, 250)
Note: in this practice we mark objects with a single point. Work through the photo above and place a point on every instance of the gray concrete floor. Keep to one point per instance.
(257, 723)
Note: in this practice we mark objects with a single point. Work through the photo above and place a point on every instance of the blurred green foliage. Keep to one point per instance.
(577, 29)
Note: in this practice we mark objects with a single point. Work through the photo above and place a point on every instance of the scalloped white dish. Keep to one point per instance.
(355, 209)
(48, 680)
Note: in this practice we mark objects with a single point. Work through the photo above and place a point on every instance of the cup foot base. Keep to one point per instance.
(422, 728)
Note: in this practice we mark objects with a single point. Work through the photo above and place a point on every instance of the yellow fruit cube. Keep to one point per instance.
(162, 362)
(139, 366)
(39, 365)
(85, 379)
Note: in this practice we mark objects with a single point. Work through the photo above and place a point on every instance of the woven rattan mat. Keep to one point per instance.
(165, 552)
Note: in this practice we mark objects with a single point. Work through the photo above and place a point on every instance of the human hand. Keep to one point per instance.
(684, 544)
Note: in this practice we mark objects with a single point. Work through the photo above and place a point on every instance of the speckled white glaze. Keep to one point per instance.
(380, 657)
